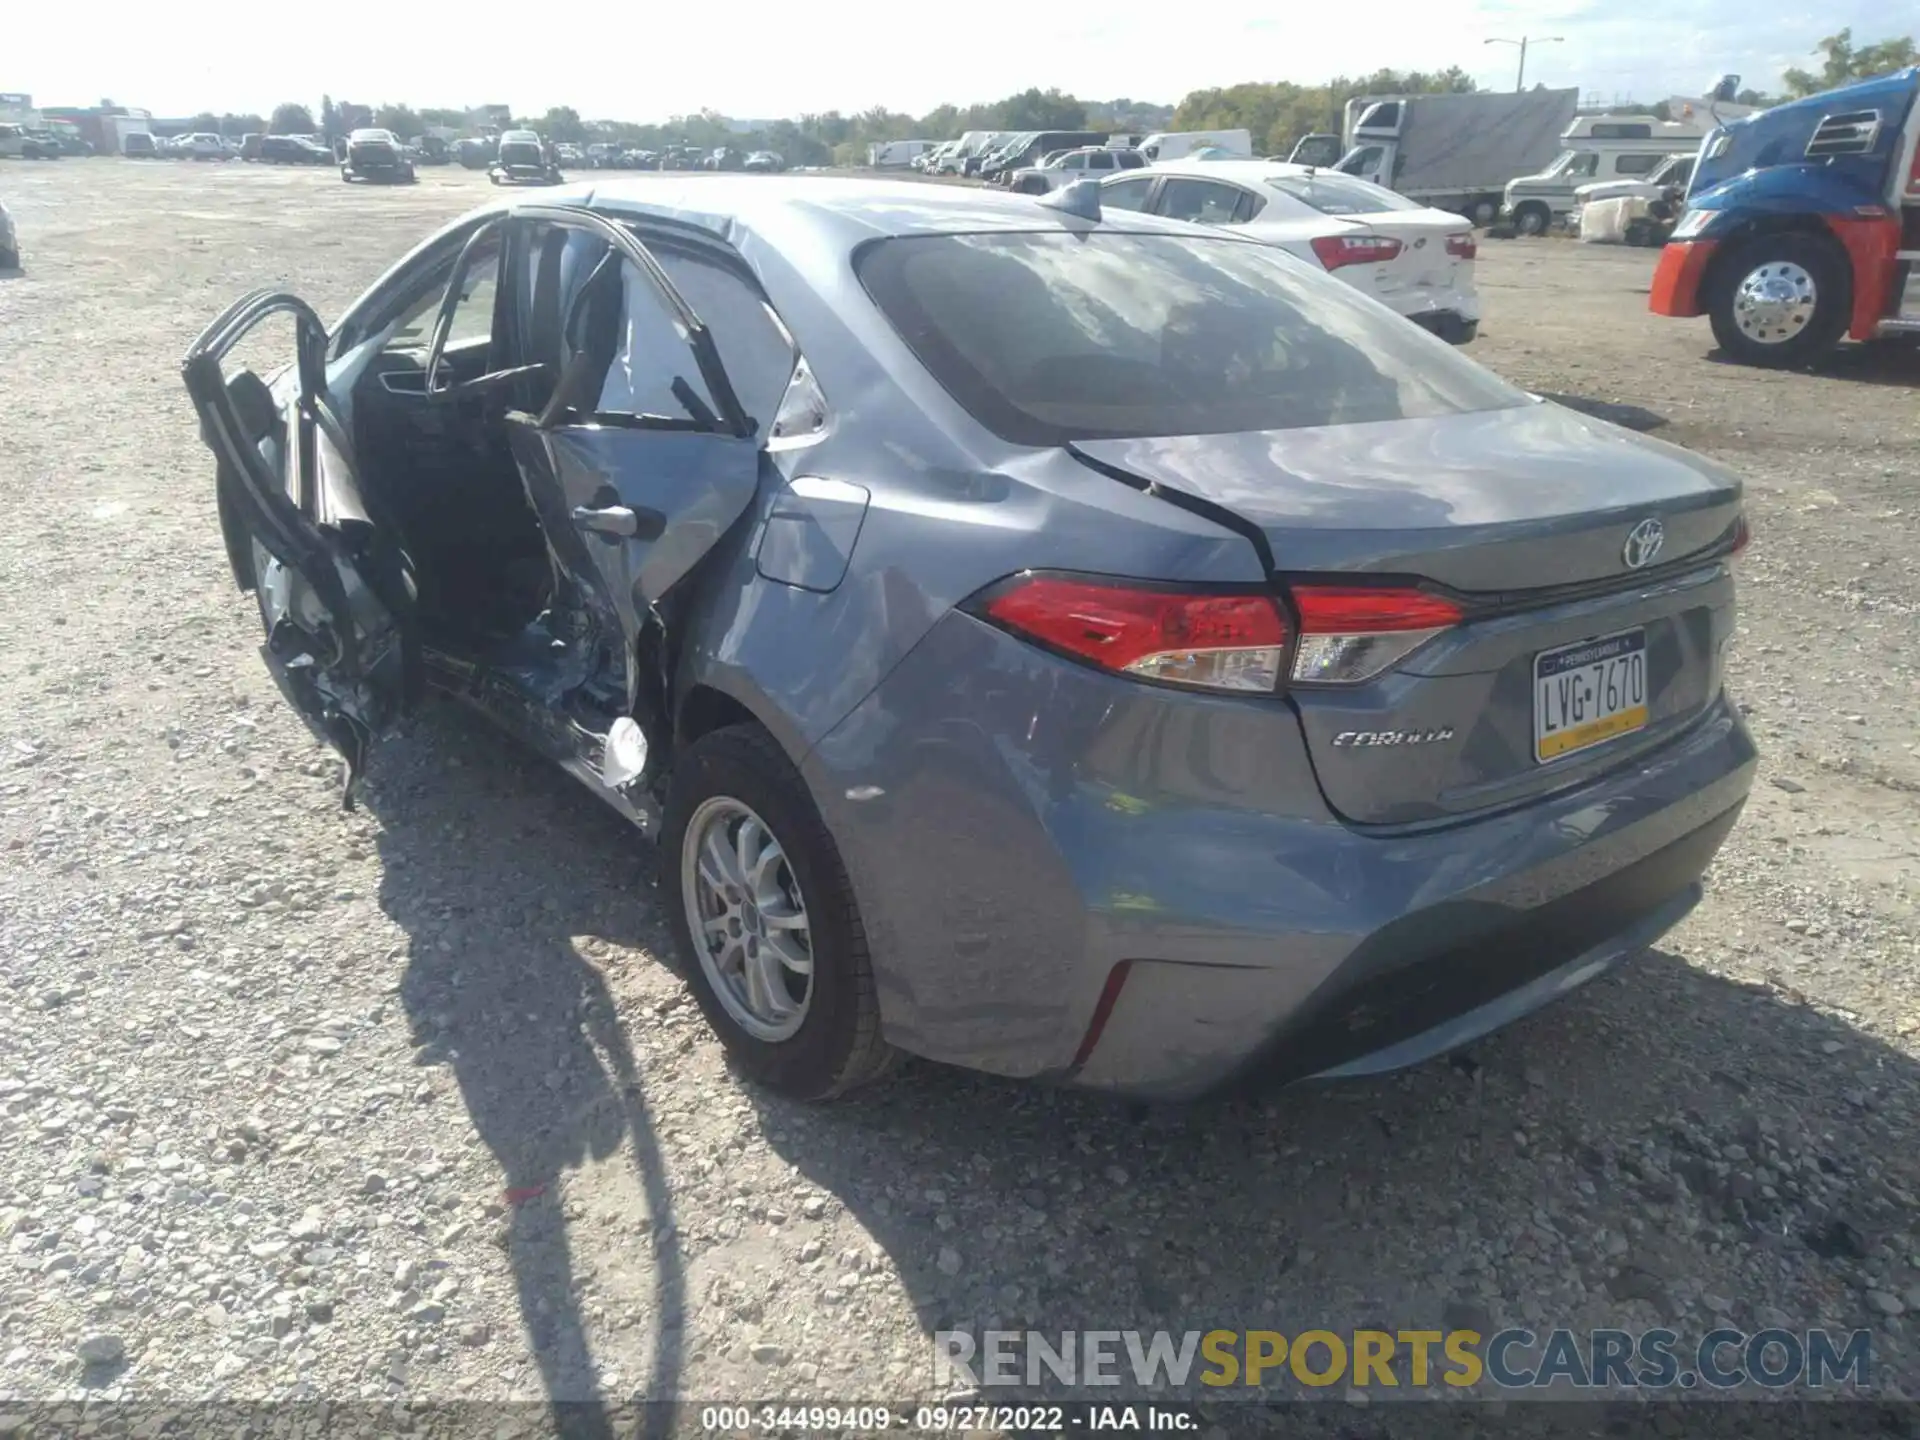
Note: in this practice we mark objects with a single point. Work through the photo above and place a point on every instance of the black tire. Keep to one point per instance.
(1532, 218)
(838, 1046)
(1819, 258)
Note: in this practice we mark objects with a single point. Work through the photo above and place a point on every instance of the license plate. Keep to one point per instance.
(1587, 694)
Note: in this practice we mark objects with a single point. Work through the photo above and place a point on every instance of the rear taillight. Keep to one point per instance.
(1230, 642)
(1352, 633)
(1462, 247)
(1215, 642)
(1338, 250)
(1742, 536)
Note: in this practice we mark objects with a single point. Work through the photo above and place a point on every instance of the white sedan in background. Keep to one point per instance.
(1413, 259)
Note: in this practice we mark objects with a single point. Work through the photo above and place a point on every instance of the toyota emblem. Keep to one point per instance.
(1643, 543)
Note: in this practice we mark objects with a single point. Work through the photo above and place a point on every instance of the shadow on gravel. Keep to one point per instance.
(1883, 362)
(492, 863)
(1723, 1119)
(1662, 1134)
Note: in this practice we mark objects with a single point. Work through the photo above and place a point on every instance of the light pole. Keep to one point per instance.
(1520, 80)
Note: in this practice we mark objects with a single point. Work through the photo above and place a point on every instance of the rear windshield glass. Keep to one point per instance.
(1340, 194)
(1051, 337)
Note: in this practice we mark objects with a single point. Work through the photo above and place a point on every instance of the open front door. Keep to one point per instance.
(335, 596)
(638, 458)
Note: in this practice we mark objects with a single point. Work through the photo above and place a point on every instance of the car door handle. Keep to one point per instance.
(614, 520)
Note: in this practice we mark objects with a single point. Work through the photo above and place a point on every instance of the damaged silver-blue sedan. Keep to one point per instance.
(1070, 645)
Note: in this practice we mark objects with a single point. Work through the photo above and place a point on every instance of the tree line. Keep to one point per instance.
(1276, 114)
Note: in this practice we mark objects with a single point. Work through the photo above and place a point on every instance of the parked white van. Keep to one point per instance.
(1179, 144)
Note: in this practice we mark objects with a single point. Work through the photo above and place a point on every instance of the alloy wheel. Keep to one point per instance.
(748, 918)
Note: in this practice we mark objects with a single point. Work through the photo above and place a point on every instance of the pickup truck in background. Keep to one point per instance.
(1802, 226)
(1089, 162)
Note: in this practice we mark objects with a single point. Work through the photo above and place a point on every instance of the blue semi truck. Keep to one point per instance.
(1802, 226)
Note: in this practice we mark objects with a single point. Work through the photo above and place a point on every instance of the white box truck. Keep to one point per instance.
(1455, 152)
(896, 154)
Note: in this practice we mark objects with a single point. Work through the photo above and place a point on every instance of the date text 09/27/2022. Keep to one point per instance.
(958, 1419)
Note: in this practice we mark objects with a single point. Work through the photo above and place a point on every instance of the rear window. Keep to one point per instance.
(1340, 194)
(1051, 337)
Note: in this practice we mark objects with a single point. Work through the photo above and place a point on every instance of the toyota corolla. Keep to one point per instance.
(1077, 646)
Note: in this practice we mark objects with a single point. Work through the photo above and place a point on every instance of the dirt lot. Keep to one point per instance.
(409, 1102)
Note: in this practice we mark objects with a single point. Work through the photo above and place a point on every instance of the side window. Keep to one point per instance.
(472, 316)
(1100, 162)
(1128, 194)
(650, 355)
(1074, 162)
(1204, 202)
(1584, 165)
(1637, 164)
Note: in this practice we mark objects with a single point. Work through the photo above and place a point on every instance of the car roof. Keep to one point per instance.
(1241, 172)
(853, 209)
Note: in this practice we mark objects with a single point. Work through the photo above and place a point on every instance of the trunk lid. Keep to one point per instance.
(1424, 263)
(1525, 513)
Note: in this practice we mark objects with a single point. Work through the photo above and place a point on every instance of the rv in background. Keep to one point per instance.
(1453, 152)
(1598, 147)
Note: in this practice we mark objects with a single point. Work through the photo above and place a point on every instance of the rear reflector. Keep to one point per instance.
(1462, 247)
(1352, 633)
(1214, 642)
(1338, 250)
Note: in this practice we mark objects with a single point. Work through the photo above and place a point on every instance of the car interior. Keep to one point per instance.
(501, 454)
(444, 470)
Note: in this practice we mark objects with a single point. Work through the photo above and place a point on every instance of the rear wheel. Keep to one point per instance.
(765, 915)
(1781, 300)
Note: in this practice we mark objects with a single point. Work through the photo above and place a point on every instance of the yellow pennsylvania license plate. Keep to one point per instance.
(1589, 693)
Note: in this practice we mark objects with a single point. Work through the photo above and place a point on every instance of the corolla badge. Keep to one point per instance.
(1643, 543)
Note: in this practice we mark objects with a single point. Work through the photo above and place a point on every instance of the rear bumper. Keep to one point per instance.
(1040, 827)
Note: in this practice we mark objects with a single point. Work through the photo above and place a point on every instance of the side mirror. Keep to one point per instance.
(1727, 90)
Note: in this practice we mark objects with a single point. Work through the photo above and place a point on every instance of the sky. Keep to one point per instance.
(751, 59)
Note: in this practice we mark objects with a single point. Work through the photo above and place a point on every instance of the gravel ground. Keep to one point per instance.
(410, 1102)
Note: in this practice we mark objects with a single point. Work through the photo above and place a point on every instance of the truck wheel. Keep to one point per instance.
(1781, 300)
(1532, 218)
(1484, 212)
